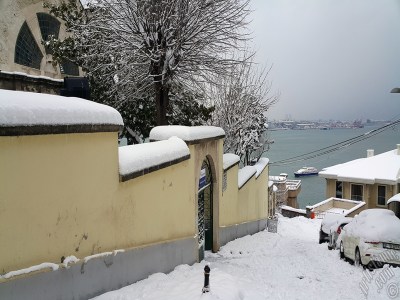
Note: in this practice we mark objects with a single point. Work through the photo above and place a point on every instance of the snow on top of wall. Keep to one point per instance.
(102, 254)
(32, 76)
(260, 165)
(138, 157)
(67, 261)
(229, 160)
(278, 179)
(186, 133)
(70, 260)
(382, 168)
(245, 174)
(298, 210)
(35, 268)
(27, 109)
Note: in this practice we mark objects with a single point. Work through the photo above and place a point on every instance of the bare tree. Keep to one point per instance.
(147, 46)
(241, 99)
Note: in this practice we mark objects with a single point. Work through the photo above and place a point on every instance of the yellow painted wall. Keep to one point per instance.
(60, 195)
(343, 204)
(330, 188)
(325, 206)
(156, 207)
(262, 195)
(250, 203)
(370, 192)
(346, 190)
(229, 200)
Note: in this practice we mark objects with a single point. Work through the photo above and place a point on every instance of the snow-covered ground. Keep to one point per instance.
(289, 264)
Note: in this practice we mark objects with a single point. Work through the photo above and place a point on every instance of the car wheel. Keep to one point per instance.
(341, 251)
(357, 258)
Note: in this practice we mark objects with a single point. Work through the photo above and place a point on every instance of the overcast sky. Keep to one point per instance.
(332, 59)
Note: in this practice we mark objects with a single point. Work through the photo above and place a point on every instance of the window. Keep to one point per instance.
(68, 67)
(48, 25)
(339, 189)
(357, 192)
(381, 195)
(27, 51)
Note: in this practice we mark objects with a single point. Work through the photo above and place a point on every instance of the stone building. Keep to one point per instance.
(25, 64)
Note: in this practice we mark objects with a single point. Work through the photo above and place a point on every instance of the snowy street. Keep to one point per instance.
(289, 264)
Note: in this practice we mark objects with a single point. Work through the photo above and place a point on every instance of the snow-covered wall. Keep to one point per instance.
(137, 160)
(188, 134)
(245, 198)
(24, 113)
(73, 194)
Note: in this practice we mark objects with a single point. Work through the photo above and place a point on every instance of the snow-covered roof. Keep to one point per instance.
(29, 110)
(188, 134)
(298, 210)
(277, 179)
(332, 199)
(382, 168)
(229, 160)
(140, 159)
(245, 174)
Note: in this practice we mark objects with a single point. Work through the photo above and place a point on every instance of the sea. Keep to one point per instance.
(291, 143)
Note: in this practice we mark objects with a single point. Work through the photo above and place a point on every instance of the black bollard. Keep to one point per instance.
(206, 287)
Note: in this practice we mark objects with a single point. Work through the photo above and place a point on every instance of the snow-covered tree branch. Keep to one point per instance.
(121, 58)
(148, 46)
(241, 99)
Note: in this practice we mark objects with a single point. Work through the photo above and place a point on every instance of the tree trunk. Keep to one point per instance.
(162, 103)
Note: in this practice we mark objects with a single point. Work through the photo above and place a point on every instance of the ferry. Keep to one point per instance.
(306, 171)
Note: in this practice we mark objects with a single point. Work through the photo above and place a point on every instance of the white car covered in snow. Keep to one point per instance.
(327, 222)
(335, 230)
(372, 238)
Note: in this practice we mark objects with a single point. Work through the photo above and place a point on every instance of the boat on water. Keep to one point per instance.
(306, 171)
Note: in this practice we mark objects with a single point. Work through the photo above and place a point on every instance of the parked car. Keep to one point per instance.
(372, 239)
(326, 225)
(335, 230)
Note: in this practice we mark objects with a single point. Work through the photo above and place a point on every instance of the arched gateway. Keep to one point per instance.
(205, 209)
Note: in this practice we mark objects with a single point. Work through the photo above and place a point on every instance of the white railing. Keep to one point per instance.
(293, 184)
(331, 209)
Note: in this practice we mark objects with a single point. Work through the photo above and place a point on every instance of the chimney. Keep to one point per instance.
(370, 152)
(398, 149)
